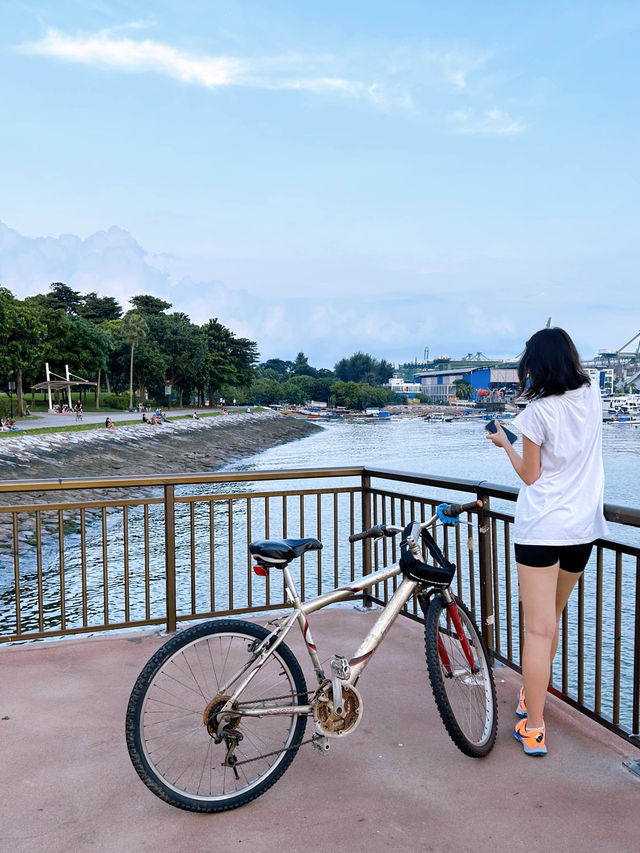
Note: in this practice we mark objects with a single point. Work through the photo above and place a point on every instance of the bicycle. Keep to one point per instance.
(219, 712)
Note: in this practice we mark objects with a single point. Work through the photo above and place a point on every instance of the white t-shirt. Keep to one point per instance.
(564, 505)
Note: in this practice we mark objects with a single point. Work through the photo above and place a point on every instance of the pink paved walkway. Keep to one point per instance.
(397, 783)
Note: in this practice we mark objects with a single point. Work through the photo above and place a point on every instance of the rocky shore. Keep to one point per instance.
(174, 447)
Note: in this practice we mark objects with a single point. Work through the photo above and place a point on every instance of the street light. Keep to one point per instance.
(11, 385)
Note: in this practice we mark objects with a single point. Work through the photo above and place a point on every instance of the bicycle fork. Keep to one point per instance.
(453, 614)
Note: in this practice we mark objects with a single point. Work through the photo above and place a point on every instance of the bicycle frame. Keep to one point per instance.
(301, 610)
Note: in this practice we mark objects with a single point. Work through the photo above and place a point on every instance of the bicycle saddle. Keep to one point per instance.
(282, 550)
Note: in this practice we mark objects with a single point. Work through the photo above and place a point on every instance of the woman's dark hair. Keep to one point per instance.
(550, 364)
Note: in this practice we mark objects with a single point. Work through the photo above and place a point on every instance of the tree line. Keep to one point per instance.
(147, 349)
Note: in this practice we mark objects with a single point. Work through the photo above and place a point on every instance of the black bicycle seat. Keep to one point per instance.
(282, 550)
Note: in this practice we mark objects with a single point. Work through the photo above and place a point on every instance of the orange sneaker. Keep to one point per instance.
(521, 708)
(533, 742)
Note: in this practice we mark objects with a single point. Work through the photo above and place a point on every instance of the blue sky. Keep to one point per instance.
(330, 177)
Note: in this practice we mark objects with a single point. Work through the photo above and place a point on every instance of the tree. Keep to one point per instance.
(98, 309)
(464, 389)
(361, 367)
(21, 340)
(301, 366)
(147, 304)
(63, 298)
(283, 368)
(229, 360)
(134, 327)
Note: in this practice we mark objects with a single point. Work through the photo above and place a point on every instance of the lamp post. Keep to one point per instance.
(11, 385)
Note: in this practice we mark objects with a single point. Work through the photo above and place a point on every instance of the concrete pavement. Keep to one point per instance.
(396, 783)
(39, 420)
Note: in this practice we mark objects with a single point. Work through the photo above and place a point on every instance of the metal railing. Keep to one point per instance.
(91, 555)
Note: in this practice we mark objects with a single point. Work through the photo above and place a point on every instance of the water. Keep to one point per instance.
(456, 450)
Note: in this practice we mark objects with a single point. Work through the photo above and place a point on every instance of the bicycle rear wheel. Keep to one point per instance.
(465, 696)
(170, 745)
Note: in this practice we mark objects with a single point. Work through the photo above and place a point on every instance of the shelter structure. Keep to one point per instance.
(60, 383)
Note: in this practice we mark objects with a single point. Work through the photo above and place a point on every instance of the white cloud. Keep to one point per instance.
(405, 78)
(491, 121)
(125, 54)
(447, 314)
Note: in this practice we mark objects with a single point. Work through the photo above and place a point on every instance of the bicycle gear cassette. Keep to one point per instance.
(329, 723)
(210, 716)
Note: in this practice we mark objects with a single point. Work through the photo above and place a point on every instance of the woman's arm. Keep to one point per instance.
(527, 466)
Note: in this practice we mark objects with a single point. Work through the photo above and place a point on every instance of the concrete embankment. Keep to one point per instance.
(173, 447)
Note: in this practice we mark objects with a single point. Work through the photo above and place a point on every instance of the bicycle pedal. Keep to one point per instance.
(340, 667)
(321, 744)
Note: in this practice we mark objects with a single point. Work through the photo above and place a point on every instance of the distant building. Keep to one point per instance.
(438, 384)
(487, 382)
(604, 378)
(399, 385)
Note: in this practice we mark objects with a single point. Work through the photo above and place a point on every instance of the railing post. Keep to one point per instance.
(170, 556)
(365, 495)
(485, 570)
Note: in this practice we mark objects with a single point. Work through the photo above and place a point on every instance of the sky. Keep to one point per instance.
(330, 177)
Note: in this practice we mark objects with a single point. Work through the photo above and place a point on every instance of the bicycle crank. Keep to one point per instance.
(328, 721)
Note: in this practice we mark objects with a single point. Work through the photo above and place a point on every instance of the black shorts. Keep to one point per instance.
(572, 558)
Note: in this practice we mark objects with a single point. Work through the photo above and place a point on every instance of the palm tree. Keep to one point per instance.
(134, 328)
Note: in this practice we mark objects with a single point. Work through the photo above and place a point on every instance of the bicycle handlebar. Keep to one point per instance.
(374, 532)
(452, 511)
(456, 509)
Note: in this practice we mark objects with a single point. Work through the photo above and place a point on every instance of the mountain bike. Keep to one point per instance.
(219, 712)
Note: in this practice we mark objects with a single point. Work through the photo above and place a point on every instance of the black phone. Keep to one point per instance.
(491, 427)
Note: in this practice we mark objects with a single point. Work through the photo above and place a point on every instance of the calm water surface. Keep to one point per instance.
(458, 449)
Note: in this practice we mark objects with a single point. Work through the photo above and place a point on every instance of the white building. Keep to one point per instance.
(399, 385)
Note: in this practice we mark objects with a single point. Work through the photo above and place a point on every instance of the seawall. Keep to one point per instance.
(180, 446)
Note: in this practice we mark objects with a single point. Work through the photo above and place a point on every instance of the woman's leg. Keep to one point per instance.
(566, 583)
(538, 590)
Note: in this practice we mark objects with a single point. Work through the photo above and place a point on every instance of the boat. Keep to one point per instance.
(623, 419)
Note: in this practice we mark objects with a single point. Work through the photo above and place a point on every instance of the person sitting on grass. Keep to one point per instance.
(109, 424)
(195, 416)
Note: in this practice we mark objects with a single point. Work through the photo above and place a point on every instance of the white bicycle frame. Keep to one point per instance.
(356, 664)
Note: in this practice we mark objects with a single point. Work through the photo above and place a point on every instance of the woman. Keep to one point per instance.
(559, 510)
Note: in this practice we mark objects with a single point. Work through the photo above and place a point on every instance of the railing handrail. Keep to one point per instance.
(175, 479)
(613, 512)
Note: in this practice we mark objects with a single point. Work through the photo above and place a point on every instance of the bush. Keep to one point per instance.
(115, 401)
(5, 407)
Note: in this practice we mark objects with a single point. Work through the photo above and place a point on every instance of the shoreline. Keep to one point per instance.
(183, 446)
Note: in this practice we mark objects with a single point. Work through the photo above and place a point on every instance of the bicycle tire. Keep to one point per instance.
(466, 699)
(167, 737)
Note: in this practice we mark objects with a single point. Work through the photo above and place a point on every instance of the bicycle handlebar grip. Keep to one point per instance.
(376, 531)
(454, 510)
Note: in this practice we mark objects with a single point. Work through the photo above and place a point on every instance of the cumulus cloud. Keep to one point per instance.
(451, 314)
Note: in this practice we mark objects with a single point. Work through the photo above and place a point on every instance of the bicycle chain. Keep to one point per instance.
(286, 748)
(277, 751)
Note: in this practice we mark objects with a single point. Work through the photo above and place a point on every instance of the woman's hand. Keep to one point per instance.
(499, 437)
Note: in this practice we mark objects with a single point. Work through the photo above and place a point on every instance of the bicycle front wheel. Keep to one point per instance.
(465, 695)
(171, 722)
